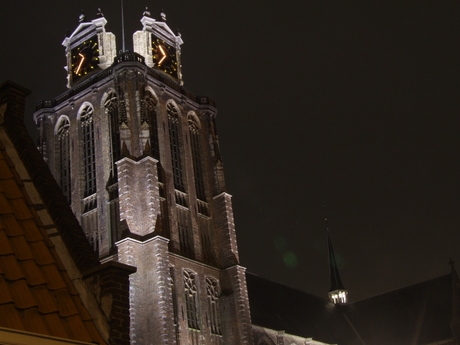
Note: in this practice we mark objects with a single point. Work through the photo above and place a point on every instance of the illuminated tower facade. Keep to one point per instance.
(137, 157)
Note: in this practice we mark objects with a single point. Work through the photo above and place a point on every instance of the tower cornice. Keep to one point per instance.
(137, 61)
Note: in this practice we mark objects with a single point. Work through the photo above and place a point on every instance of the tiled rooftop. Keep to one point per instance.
(36, 293)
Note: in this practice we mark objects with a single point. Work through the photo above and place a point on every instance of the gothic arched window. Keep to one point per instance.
(174, 142)
(194, 129)
(150, 107)
(212, 295)
(191, 299)
(64, 157)
(89, 159)
(111, 108)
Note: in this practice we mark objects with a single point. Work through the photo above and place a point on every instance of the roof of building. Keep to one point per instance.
(418, 314)
(36, 293)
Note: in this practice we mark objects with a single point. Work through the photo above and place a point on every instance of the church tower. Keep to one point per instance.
(137, 157)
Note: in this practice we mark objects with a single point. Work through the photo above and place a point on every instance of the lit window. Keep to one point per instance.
(185, 235)
(338, 296)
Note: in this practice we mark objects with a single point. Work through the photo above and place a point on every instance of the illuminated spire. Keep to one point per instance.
(337, 293)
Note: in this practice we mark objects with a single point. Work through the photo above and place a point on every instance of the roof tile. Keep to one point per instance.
(5, 170)
(41, 253)
(46, 302)
(11, 225)
(5, 295)
(78, 328)
(5, 246)
(10, 267)
(53, 277)
(5, 207)
(32, 272)
(22, 297)
(34, 321)
(21, 248)
(56, 325)
(21, 209)
(11, 189)
(31, 230)
(10, 317)
(65, 302)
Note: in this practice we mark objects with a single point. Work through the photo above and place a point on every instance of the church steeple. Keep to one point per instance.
(337, 293)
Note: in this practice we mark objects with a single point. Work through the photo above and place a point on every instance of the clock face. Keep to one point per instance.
(85, 58)
(164, 56)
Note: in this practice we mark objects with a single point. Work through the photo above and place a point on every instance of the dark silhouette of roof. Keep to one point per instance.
(36, 292)
(423, 313)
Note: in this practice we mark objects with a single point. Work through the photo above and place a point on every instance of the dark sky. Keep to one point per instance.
(350, 104)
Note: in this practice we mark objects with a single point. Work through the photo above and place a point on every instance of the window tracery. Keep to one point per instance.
(63, 132)
(212, 292)
(174, 142)
(89, 159)
(111, 108)
(151, 117)
(194, 130)
(191, 299)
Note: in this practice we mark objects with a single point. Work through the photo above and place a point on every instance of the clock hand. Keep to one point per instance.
(164, 55)
(81, 63)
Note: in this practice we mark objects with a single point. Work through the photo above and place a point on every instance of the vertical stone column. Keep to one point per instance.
(224, 227)
(112, 282)
(152, 315)
(235, 312)
(139, 194)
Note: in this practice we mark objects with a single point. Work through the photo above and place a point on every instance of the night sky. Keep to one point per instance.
(352, 105)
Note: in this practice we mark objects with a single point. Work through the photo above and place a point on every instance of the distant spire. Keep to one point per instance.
(337, 293)
(336, 282)
(82, 17)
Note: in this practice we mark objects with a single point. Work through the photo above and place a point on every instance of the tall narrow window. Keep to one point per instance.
(64, 158)
(151, 106)
(190, 299)
(212, 292)
(111, 108)
(193, 126)
(173, 122)
(89, 159)
(185, 235)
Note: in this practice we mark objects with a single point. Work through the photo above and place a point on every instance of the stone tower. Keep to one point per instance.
(137, 156)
